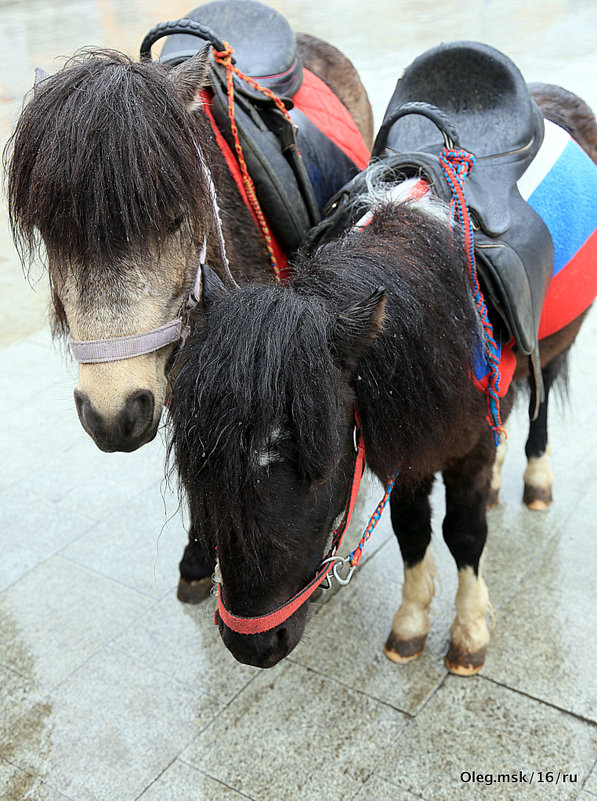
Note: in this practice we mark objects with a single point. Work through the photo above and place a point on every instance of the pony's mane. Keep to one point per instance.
(103, 163)
(266, 357)
(258, 369)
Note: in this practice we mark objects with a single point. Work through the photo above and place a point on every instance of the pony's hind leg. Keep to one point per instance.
(465, 531)
(496, 474)
(411, 520)
(538, 478)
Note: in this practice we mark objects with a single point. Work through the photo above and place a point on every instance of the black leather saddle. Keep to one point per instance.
(295, 167)
(479, 101)
(469, 95)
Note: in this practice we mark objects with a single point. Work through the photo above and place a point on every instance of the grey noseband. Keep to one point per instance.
(93, 351)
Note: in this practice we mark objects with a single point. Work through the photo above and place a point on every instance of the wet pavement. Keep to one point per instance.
(111, 690)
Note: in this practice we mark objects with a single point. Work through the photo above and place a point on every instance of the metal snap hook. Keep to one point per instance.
(339, 563)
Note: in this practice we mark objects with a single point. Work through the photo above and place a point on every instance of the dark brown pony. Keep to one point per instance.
(263, 418)
(107, 183)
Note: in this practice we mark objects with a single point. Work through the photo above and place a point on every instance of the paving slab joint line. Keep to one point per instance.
(541, 701)
(540, 554)
(36, 778)
(348, 686)
(151, 783)
(105, 576)
(107, 645)
(223, 708)
(219, 781)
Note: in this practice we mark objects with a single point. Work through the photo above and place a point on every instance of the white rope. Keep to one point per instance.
(216, 210)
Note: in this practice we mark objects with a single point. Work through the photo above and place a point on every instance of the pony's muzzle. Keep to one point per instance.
(130, 428)
(259, 650)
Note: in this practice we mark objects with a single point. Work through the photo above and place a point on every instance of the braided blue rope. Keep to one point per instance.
(355, 556)
(456, 165)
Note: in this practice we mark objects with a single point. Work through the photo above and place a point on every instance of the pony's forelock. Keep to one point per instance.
(103, 163)
(241, 389)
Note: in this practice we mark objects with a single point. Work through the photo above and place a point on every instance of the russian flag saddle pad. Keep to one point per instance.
(560, 184)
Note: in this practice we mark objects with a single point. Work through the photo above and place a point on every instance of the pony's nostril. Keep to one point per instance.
(281, 638)
(138, 412)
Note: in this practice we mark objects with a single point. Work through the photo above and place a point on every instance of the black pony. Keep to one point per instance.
(263, 419)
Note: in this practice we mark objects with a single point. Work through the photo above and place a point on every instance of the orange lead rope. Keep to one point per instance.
(224, 57)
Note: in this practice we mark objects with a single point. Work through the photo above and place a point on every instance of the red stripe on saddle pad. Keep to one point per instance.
(571, 290)
(325, 110)
(232, 163)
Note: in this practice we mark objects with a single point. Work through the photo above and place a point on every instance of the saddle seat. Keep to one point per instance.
(263, 41)
(480, 102)
(295, 165)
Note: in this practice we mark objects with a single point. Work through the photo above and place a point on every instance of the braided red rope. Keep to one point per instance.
(224, 57)
(456, 165)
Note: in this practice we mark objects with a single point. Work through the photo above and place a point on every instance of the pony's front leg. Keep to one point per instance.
(196, 570)
(465, 531)
(411, 520)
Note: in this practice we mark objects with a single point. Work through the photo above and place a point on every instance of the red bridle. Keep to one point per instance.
(261, 623)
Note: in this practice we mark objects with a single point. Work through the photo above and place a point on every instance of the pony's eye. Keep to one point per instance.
(174, 224)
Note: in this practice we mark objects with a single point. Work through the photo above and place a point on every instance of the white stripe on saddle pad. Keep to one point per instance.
(552, 147)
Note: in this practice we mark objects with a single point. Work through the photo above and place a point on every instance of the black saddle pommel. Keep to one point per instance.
(433, 113)
(188, 27)
(264, 44)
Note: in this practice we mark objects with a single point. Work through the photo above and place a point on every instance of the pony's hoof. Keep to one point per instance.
(537, 498)
(463, 663)
(402, 651)
(193, 592)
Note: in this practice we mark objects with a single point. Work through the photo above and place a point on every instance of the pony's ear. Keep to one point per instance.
(212, 287)
(191, 76)
(356, 328)
(40, 75)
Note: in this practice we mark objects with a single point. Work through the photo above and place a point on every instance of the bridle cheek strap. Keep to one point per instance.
(258, 625)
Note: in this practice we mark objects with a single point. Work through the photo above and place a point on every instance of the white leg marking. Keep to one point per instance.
(538, 472)
(469, 630)
(412, 618)
(496, 476)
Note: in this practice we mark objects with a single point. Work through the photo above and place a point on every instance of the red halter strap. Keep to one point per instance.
(257, 625)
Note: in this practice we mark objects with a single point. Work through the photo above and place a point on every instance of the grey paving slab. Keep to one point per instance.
(34, 528)
(138, 544)
(18, 785)
(109, 731)
(346, 639)
(16, 462)
(591, 783)
(95, 483)
(473, 725)
(184, 783)
(57, 615)
(182, 641)
(376, 789)
(32, 368)
(545, 644)
(17, 694)
(294, 734)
